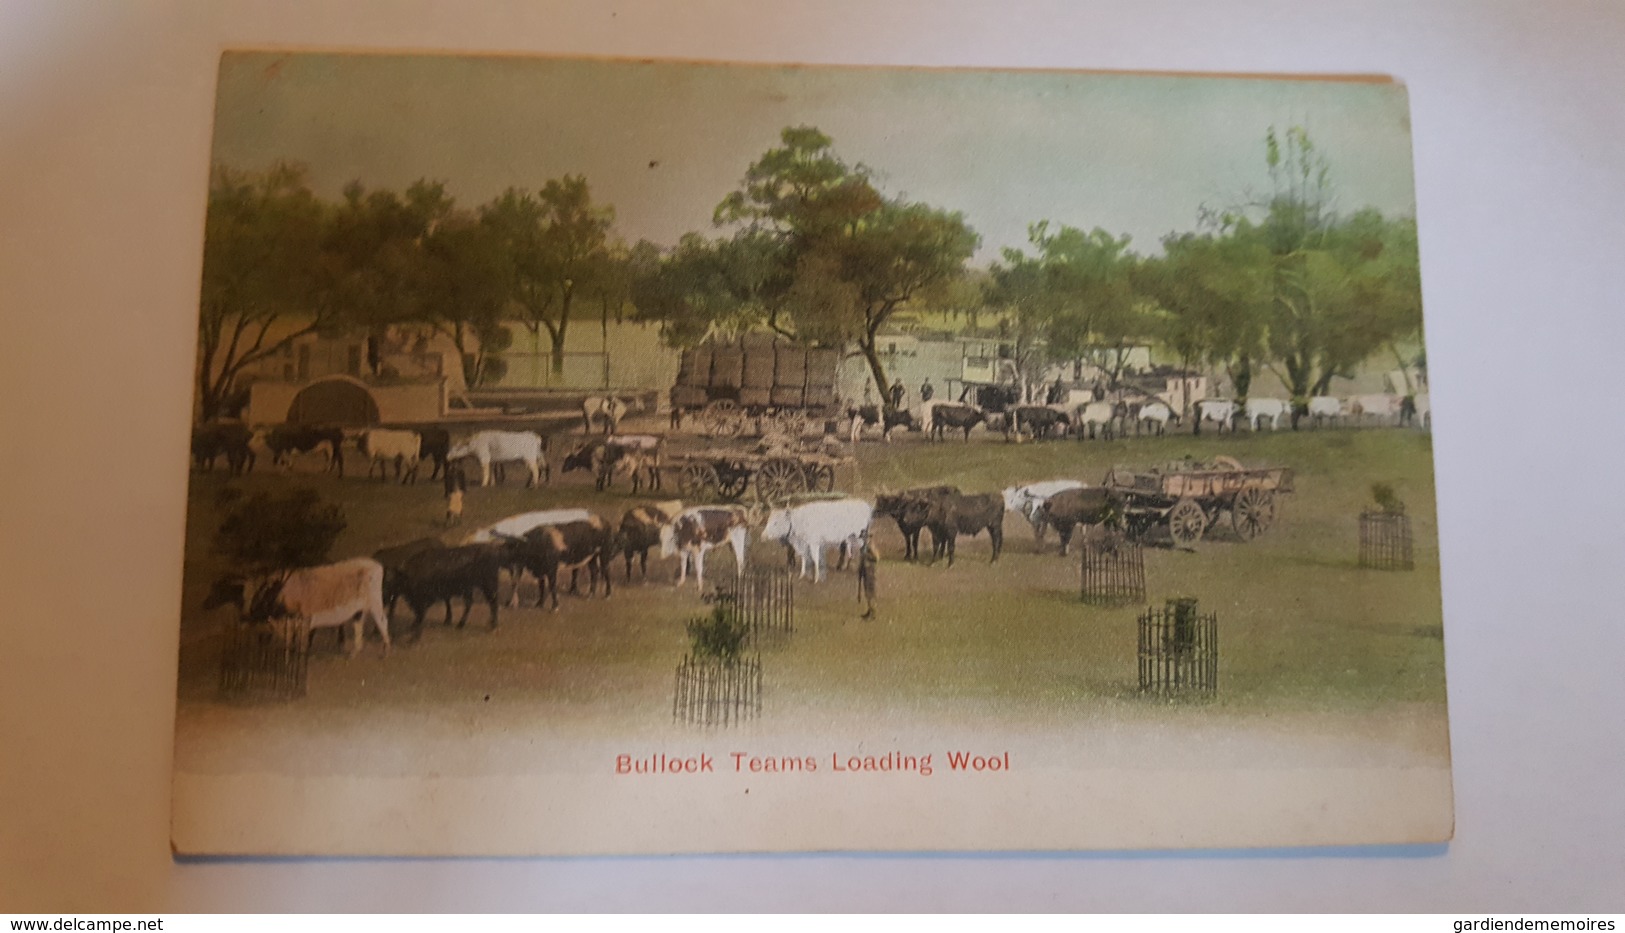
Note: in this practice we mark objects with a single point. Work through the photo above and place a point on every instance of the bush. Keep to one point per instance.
(721, 636)
(270, 532)
(1383, 495)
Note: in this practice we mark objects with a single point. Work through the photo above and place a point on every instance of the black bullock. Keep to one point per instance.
(210, 441)
(443, 573)
(1069, 508)
(867, 416)
(958, 417)
(1037, 420)
(286, 440)
(953, 515)
(572, 545)
(911, 509)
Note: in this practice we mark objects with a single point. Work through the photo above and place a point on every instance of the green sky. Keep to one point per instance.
(664, 142)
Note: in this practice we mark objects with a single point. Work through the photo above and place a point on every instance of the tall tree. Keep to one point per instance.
(555, 241)
(1212, 292)
(831, 259)
(1076, 293)
(263, 276)
(1342, 288)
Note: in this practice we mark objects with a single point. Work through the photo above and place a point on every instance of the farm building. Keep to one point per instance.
(355, 380)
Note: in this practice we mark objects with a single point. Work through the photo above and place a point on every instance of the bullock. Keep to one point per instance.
(1318, 408)
(958, 417)
(910, 509)
(1069, 508)
(1378, 406)
(573, 545)
(1220, 410)
(809, 528)
(640, 531)
(1257, 409)
(381, 446)
(349, 592)
(697, 530)
(868, 416)
(517, 526)
(286, 440)
(1099, 415)
(1158, 413)
(953, 515)
(1026, 500)
(440, 574)
(436, 444)
(634, 455)
(1037, 420)
(393, 558)
(490, 447)
(231, 438)
(608, 409)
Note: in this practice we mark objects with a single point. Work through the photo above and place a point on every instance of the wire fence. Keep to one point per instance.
(1179, 650)
(717, 691)
(265, 662)
(1385, 541)
(1113, 570)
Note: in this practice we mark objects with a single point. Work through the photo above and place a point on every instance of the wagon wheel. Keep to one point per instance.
(735, 480)
(1186, 522)
(722, 418)
(792, 422)
(1253, 512)
(697, 480)
(820, 477)
(779, 479)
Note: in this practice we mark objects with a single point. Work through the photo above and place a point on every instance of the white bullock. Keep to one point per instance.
(1102, 415)
(515, 527)
(490, 447)
(1322, 407)
(1220, 410)
(1260, 408)
(350, 592)
(382, 446)
(1027, 499)
(1382, 407)
(1158, 414)
(811, 527)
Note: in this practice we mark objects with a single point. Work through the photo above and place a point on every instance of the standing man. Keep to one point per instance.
(927, 391)
(867, 559)
(897, 394)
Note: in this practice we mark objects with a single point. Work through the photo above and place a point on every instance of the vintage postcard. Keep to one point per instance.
(600, 456)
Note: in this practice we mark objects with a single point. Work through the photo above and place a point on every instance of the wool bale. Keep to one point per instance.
(822, 365)
(727, 366)
(759, 362)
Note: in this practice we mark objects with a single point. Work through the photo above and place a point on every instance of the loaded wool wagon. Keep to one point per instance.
(757, 383)
(777, 471)
(1188, 498)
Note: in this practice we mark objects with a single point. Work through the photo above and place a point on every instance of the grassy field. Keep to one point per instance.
(1302, 629)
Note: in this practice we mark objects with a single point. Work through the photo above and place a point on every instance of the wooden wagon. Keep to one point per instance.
(757, 385)
(1188, 498)
(776, 473)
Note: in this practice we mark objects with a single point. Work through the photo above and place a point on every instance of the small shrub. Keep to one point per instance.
(720, 635)
(1383, 495)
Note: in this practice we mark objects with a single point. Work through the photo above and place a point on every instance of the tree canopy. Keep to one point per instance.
(809, 247)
